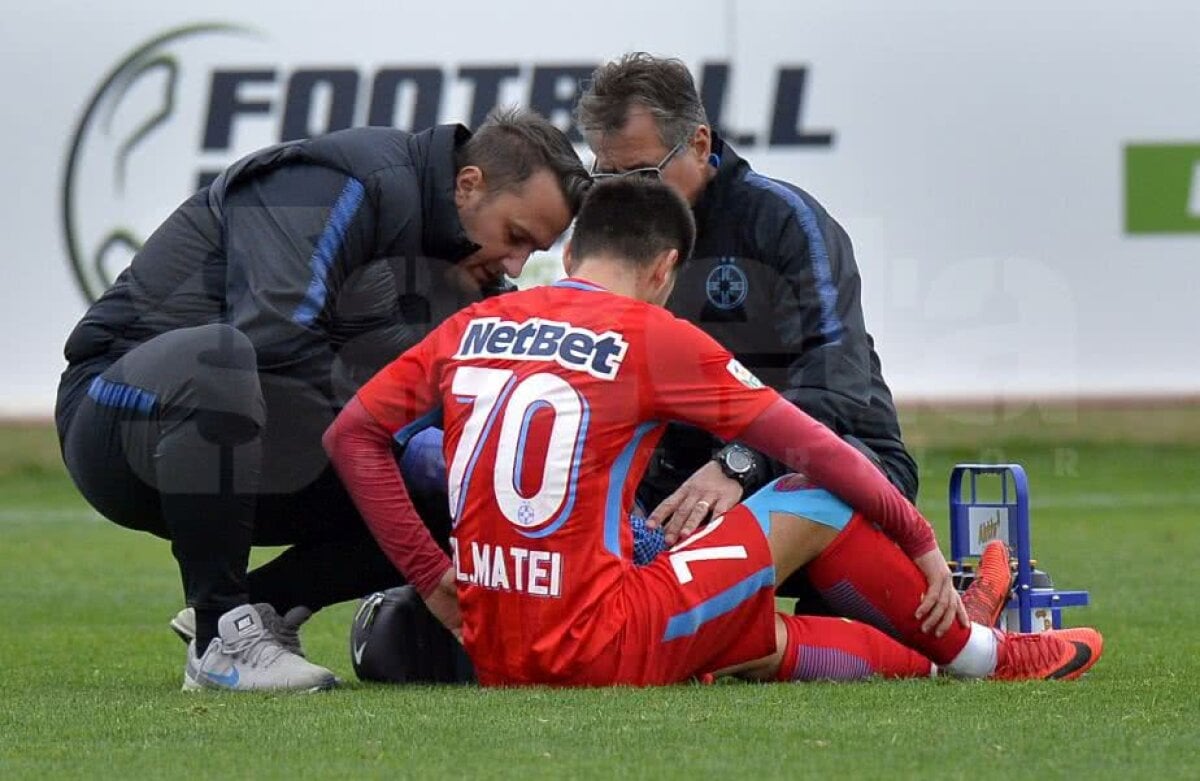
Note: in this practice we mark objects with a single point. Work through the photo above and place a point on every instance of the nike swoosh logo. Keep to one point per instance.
(1082, 655)
(358, 652)
(229, 679)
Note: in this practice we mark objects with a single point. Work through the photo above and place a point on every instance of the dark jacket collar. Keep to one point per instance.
(443, 235)
(731, 168)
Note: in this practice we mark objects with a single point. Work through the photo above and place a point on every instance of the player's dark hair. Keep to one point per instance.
(633, 219)
(514, 144)
(662, 86)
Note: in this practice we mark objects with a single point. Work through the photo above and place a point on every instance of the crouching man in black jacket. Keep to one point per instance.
(198, 386)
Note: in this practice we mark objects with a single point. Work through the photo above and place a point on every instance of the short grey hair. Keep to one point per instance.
(662, 86)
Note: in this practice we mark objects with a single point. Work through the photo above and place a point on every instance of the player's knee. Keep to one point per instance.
(793, 496)
(224, 348)
(767, 668)
(226, 372)
(223, 394)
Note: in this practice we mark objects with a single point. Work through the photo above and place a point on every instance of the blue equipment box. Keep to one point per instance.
(974, 521)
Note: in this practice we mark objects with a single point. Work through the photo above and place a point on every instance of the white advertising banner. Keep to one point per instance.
(1021, 180)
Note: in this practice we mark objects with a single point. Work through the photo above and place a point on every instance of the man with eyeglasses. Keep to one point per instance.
(644, 172)
(773, 279)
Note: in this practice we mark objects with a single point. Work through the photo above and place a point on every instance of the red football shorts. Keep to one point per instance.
(704, 605)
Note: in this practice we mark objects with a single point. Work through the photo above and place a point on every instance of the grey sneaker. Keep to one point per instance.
(286, 629)
(246, 657)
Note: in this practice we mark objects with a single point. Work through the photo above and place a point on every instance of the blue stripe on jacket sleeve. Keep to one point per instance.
(818, 250)
(117, 394)
(328, 246)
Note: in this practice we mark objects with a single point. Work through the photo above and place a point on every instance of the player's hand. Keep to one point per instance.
(443, 603)
(707, 493)
(941, 604)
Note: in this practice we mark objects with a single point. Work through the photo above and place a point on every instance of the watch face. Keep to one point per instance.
(738, 461)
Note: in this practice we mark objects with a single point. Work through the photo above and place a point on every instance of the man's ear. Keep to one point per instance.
(467, 183)
(664, 264)
(702, 142)
(568, 258)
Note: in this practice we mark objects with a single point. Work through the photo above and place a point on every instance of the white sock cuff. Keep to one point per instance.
(977, 659)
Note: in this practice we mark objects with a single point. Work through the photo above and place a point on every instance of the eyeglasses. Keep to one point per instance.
(647, 172)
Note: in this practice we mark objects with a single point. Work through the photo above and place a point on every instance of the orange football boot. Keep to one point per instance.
(988, 593)
(1062, 654)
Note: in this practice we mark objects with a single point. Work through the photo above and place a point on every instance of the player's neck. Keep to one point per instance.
(613, 276)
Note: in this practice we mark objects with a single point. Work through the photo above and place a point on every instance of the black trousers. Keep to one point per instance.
(182, 438)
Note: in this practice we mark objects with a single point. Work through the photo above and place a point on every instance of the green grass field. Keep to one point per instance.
(90, 674)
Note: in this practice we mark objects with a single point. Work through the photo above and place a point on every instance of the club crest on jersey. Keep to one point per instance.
(742, 374)
(535, 339)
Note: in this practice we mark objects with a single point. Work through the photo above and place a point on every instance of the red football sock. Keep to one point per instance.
(865, 576)
(823, 648)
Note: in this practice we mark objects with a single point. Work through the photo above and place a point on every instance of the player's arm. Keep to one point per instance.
(698, 382)
(789, 435)
(817, 314)
(805, 445)
(359, 444)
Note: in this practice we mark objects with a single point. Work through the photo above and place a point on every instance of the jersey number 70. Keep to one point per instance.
(496, 394)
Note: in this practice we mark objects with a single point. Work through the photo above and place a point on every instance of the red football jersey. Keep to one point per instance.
(553, 400)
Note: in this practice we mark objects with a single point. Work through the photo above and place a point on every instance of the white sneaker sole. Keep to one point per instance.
(184, 624)
(190, 685)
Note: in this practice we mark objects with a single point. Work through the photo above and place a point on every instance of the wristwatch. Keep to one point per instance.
(737, 462)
